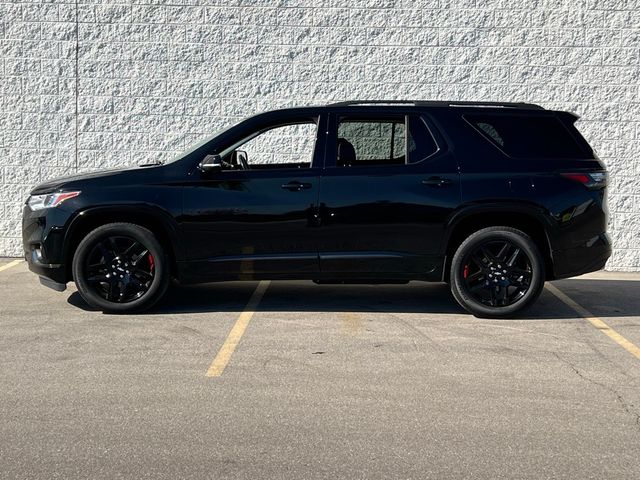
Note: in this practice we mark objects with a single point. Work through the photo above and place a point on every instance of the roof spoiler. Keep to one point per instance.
(571, 117)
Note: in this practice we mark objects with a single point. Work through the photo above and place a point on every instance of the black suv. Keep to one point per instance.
(493, 198)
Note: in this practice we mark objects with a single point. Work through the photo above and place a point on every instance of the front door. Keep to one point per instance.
(256, 218)
(389, 186)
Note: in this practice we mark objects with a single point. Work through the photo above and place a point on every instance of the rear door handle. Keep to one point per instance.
(437, 181)
(295, 186)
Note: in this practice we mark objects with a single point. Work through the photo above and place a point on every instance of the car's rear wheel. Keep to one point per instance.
(497, 272)
(121, 268)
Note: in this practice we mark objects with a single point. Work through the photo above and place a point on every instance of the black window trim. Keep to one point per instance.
(435, 141)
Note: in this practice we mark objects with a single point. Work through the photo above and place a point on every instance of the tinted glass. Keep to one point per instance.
(523, 136)
(374, 142)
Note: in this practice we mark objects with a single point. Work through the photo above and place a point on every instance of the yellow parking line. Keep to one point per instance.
(233, 339)
(595, 321)
(352, 323)
(10, 264)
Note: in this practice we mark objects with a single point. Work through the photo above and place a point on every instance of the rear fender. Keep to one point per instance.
(532, 218)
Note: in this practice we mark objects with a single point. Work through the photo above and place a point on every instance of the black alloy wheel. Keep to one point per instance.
(121, 268)
(497, 272)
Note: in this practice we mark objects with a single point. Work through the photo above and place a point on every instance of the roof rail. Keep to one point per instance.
(349, 103)
(531, 106)
(437, 103)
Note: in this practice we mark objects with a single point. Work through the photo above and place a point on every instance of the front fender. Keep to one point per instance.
(150, 216)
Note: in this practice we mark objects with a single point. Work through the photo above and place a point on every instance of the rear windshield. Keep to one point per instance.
(526, 136)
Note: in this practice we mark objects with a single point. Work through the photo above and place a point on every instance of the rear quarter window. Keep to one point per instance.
(527, 136)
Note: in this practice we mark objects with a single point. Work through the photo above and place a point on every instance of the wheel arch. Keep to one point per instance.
(529, 219)
(155, 219)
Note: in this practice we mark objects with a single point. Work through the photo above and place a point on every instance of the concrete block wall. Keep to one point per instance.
(92, 84)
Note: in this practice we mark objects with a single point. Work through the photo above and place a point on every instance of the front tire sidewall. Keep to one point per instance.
(140, 234)
(474, 306)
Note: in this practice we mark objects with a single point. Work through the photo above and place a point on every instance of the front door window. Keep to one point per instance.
(279, 147)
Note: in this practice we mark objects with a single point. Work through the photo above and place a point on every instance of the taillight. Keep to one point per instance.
(593, 180)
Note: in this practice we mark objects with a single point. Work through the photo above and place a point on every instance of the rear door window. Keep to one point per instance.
(384, 141)
(526, 136)
(371, 142)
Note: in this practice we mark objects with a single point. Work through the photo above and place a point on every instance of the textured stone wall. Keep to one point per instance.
(98, 84)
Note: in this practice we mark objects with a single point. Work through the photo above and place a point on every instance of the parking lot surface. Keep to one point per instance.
(326, 381)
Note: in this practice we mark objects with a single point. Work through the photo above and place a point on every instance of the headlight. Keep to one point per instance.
(49, 200)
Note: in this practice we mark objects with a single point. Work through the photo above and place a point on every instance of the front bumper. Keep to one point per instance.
(590, 256)
(42, 241)
(47, 282)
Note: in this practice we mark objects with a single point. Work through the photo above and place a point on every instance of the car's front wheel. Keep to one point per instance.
(497, 272)
(121, 268)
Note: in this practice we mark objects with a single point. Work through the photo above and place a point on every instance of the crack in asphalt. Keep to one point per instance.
(580, 329)
(627, 407)
(407, 326)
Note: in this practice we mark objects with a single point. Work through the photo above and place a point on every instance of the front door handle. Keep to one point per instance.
(296, 186)
(437, 181)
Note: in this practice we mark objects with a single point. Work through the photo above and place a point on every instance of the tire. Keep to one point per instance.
(121, 278)
(483, 289)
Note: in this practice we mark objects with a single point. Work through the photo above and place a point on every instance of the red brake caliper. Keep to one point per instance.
(465, 272)
(152, 264)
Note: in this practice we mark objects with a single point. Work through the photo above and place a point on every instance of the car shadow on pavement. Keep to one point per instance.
(609, 298)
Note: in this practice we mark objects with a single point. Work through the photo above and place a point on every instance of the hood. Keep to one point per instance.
(117, 176)
(60, 182)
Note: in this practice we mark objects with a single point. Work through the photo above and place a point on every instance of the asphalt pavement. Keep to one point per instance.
(320, 381)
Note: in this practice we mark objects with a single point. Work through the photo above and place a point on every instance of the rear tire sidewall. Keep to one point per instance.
(519, 238)
(138, 233)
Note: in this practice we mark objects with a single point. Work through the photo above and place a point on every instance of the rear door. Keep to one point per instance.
(389, 185)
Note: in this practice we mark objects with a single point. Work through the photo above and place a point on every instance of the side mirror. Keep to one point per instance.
(210, 164)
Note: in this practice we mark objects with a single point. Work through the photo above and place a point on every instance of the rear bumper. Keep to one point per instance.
(588, 257)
